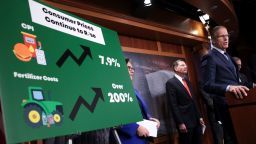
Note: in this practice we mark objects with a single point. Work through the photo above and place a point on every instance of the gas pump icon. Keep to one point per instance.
(30, 42)
(30, 49)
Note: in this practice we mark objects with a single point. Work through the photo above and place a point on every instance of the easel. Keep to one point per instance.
(116, 136)
(70, 138)
(117, 139)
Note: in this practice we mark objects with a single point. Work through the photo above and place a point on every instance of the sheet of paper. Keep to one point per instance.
(203, 128)
(150, 126)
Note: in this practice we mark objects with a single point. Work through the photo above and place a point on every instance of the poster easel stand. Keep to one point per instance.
(116, 136)
(71, 137)
(117, 139)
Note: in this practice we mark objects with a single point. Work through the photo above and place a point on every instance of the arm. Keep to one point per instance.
(244, 81)
(133, 129)
(208, 67)
(176, 114)
(197, 110)
(209, 70)
(129, 130)
(142, 131)
(171, 94)
(207, 98)
(155, 120)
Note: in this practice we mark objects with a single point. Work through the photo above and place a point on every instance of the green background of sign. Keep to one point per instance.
(74, 80)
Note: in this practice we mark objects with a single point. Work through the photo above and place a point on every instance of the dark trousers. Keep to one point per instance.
(216, 127)
(193, 136)
(224, 116)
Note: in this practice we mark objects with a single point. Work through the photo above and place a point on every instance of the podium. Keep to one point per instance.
(243, 114)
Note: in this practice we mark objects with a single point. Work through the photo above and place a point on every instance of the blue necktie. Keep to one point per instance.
(230, 62)
(226, 56)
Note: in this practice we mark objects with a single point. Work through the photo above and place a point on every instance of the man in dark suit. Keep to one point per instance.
(220, 76)
(183, 106)
(243, 80)
(215, 125)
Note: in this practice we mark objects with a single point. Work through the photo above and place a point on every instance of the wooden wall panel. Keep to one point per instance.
(138, 43)
(131, 44)
(172, 48)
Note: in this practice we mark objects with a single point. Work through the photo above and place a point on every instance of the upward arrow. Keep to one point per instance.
(80, 101)
(79, 60)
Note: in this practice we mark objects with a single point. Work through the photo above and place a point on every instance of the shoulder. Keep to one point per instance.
(171, 81)
(211, 53)
(208, 58)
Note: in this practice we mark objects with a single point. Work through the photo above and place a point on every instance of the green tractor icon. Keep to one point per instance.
(38, 111)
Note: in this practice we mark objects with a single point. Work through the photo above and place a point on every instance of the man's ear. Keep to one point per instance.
(175, 69)
(213, 41)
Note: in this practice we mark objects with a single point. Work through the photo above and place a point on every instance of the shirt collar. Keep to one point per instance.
(178, 77)
(219, 50)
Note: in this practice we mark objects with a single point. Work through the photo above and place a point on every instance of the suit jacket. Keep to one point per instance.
(183, 106)
(218, 73)
(244, 81)
(128, 133)
(208, 100)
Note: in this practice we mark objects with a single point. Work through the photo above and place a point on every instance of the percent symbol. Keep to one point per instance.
(127, 96)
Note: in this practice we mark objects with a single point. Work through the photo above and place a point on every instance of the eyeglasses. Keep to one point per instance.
(223, 36)
(131, 68)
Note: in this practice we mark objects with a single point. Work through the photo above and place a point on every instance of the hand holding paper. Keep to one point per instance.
(157, 122)
(151, 126)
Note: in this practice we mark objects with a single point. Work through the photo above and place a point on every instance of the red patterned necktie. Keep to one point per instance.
(186, 86)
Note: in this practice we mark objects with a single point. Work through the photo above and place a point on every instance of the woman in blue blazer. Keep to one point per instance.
(134, 133)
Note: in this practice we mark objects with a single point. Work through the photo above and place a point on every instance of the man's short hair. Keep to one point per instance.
(236, 58)
(176, 63)
(127, 60)
(214, 31)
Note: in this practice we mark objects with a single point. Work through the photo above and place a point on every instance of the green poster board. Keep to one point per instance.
(60, 74)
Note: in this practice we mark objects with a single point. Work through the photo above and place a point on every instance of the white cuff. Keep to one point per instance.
(227, 88)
